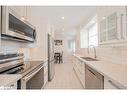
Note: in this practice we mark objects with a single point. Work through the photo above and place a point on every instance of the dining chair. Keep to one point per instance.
(61, 57)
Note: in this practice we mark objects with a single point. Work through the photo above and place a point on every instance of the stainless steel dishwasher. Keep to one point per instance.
(93, 79)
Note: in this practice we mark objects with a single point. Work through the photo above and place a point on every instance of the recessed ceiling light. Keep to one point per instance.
(104, 17)
(62, 17)
(63, 29)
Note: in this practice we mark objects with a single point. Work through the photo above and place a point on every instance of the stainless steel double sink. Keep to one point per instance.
(89, 59)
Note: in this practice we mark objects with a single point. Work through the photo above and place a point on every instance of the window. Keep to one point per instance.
(71, 44)
(84, 38)
(89, 35)
(93, 35)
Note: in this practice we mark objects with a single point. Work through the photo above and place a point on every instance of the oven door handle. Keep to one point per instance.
(29, 76)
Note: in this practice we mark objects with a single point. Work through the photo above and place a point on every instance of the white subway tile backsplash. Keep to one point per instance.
(14, 47)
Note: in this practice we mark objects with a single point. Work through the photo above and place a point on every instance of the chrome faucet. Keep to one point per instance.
(95, 55)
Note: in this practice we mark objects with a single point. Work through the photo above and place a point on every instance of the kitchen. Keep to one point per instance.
(90, 42)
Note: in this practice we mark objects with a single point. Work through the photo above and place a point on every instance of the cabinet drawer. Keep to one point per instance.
(80, 75)
(110, 84)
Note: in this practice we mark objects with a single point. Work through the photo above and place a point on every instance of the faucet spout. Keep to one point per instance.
(95, 55)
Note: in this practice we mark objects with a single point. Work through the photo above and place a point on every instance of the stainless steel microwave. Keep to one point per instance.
(13, 27)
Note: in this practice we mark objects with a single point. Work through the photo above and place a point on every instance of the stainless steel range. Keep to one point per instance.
(31, 71)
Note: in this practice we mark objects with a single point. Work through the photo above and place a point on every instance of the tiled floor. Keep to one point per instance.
(64, 78)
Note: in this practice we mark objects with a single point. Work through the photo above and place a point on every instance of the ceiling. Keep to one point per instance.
(73, 16)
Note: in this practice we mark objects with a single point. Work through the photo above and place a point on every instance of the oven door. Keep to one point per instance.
(14, 27)
(34, 80)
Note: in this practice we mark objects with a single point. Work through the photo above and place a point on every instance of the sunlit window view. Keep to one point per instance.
(89, 36)
(93, 35)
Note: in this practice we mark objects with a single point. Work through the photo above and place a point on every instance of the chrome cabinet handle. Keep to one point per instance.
(113, 84)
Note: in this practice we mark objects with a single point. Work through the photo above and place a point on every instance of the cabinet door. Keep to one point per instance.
(124, 21)
(26, 13)
(23, 11)
(79, 67)
(112, 27)
(102, 33)
(121, 23)
(16, 9)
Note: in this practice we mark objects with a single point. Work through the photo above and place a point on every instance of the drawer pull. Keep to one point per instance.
(113, 84)
(12, 85)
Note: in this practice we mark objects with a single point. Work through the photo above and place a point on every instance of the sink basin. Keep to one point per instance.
(89, 59)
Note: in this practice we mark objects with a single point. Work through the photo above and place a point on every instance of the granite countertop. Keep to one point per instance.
(7, 79)
(117, 72)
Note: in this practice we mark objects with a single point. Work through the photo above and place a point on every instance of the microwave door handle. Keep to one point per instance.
(27, 78)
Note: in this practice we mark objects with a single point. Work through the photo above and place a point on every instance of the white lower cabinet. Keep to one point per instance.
(45, 78)
(79, 67)
(10, 86)
(45, 74)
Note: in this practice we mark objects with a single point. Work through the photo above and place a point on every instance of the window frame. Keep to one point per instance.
(91, 23)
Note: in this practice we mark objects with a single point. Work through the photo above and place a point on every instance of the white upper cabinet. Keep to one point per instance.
(23, 11)
(112, 25)
(112, 33)
(26, 13)
(103, 30)
(16, 9)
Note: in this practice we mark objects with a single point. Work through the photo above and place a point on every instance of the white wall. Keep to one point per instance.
(43, 26)
(38, 51)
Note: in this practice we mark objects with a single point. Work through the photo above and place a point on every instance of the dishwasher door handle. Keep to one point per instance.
(26, 78)
(91, 71)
